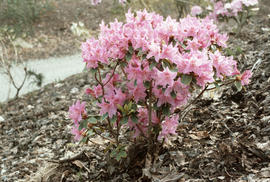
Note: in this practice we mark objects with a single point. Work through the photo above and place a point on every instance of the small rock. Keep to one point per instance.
(74, 90)
(22, 43)
(2, 119)
(30, 107)
(266, 119)
(59, 85)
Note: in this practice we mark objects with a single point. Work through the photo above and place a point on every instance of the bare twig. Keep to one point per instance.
(191, 103)
(112, 74)
(73, 158)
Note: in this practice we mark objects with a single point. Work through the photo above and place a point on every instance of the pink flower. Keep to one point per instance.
(109, 108)
(248, 3)
(169, 52)
(142, 126)
(245, 77)
(196, 10)
(76, 111)
(78, 133)
(91, 92)
(95, 2)
(236, 6)
(154, 50)
(169, 126)
(223, 65)
(122, 1)
(96, 92)
(165, 77)
(138, 91)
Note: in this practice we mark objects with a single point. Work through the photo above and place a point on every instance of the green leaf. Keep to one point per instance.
(144, 56)
(84, 140)
(173, 94)
(163, 90)
(153, 64)
(90, 132)
(213, 47)
(83, 124)
(122, 154)
(135, 83)
(114, 153)
(186, 79)
(120, 108)
(134, 118)
(124, 120)
(166, 109)
(92, 120)
(140, 52)
(128, 56)
(217, 85)
(130, 105)
(130, 49)
(104, 117)
(93, 70)
(113, 119)
(166, 63)
(238, 85)
(134, 106)
(146, 84)
(155, 107)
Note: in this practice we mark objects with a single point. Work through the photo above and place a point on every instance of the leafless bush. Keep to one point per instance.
(10, 58)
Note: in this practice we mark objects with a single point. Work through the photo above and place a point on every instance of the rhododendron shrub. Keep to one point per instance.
(234, 8)
(223, 10)
(145, 69)
(95, 2)
(239, 10)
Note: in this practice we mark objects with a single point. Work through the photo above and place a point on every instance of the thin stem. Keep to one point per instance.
(193, 100)
(150, 126)
(111, 75)
(20, 87)
(124, 72)
(103, 136)
(228, 83)
(140, 129)
(100, 82)
(117, 132)
(146, 6)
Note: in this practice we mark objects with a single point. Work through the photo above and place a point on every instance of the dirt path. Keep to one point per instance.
(53, 70)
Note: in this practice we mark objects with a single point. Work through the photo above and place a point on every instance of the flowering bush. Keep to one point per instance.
(239, 10)
(146, 69)
(95, 2)
(225, 8)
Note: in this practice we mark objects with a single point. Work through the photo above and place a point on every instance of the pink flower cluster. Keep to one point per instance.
(196, 10)
(95, 2)
(76, 112)
(153, 54)
(230, 8)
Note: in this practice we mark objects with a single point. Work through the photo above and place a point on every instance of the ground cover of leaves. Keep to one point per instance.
(222, 138)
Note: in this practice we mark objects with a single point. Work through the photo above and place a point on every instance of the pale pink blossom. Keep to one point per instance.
(141, 127)
(165, 77)
(76, 111)
(95, 2)
(169, 127)
(250, 2)
(196, 10)
(78, 133)
(223, 65)
(245, 77)
(147, 47)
